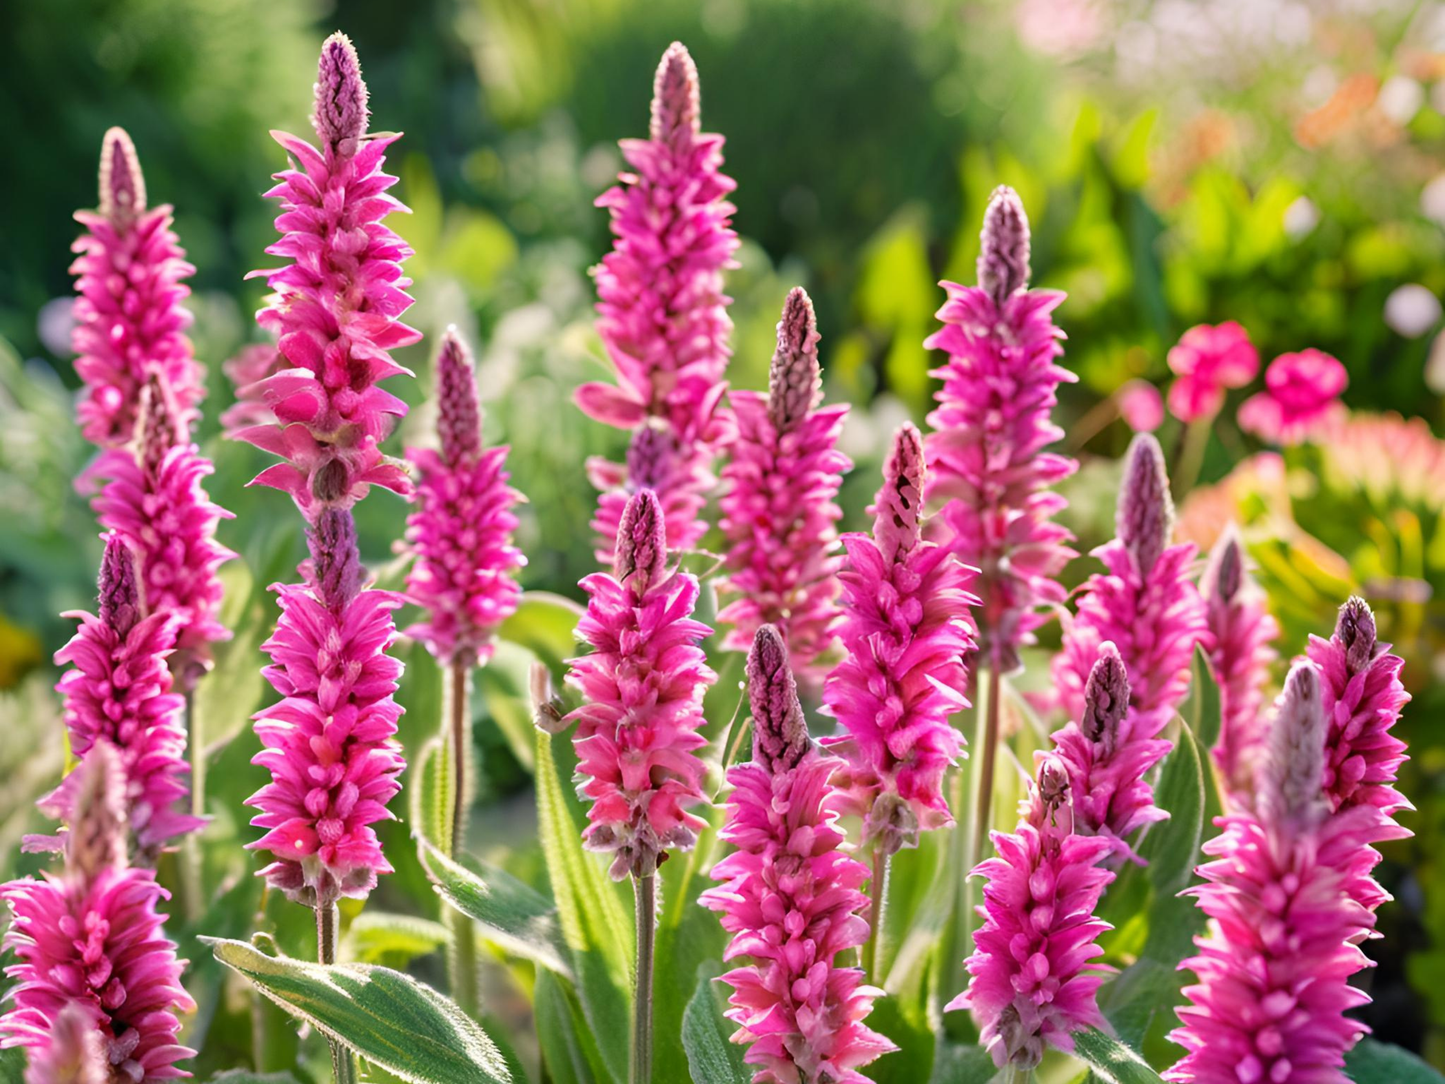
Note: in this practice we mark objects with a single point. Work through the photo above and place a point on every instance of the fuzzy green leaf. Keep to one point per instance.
(711, 1055)
(380, 937)
(1374, 1062)
(1112, 1061)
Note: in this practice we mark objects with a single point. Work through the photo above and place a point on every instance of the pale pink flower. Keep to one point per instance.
(1140, 405)
(1207, 361)
(1301, 393)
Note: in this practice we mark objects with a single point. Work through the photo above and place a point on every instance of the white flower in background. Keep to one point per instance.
(1412, 310)
(1432, 198)
(1400, 99)
(1300, 217)
(1435, 366)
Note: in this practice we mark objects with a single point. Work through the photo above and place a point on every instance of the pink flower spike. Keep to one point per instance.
(906, 634)
(642, 686)
(1034, 979)
(130, 322)
(778, 509)
(329, 744)
(247, 371)
(97, 985)
(461, 531)
(1272, 975)
(1301, 394)
(791, 897)
(336, 307)
(989, 476)
(1140, 405)
(680, 474)
(118, 690)
(156, 500)
(1206, 361)
(1241, 630)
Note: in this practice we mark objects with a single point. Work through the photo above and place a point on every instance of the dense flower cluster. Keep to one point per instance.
(1206, 362)
(461, 531)
(129, 319)
(1033, 973)
(118, 690)
(905, 634)
(988, 474)
(155, 499)
(1241, 630)
(1301, 393)
(637, 729)
(791, 897)
(1149, 609)
(97, 985)
(329, 743)
(778, 508)
(661, 311)
(336, 309)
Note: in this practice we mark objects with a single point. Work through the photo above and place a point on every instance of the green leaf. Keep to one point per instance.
(245, 1076)
(1172, 847)
(1142, 991)
(595, 925)
(380, 937)
(1374, 1062)
(1111, 1060)
(569, 1052)
(711, 1055)
(1203, 711)
(513, 915)
(503, 686)
(386, 1017)
(431, 794)
(962, 1063)
(12, 1065)
(545, 624)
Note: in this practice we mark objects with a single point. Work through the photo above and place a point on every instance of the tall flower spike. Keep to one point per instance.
(1033, 977)
(329, 744)
(637, 730)
(118, 690)
(1240, 633)
(1145, 605)
(130, 322)
(778, 509)
(661, 310)
(156, 500)
(1273, 973)
(989, 476)
(337, 305)
(461, 531)
(97, 985)
(905, 634)
(791, 897)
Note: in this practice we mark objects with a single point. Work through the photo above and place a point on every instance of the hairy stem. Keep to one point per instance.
(645, 890)
(462, 954)
(986, 748)
(328, 932)
(877, 904)
(193, 868)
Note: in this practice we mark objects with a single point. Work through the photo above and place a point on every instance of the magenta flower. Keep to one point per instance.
(1207, 360)
(680, 474)
(905, 634)
(778, 510)
(988, 473)
(1034, 978)
(661, 310)
(1272, 975)
(118, 690)
(329, 743)
(461, 532)
(97, 985)
(248, 371)
(642, 685)
(1140, 405)
(791, 897)
(129, 319)
(1301, 392)
(337, 304)
(156, 500)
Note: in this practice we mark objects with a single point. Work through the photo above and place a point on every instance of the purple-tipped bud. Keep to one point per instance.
(98, 827)
(1003, 264)
(653, 455)
(1291, 781)
(641, 541)
(1106, 698)
(459, 419)
(675, 105)
(340, 113)
(1144, 520)
(780, 732)
(1356, 633)
(336, 572)
(1053, 785)
(795, 382)
(159, 429)
(896, 511)
(120, 601)
(1225, 575)
(122, 185)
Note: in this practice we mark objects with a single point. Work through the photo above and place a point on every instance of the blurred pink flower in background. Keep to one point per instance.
(1140, 405)
(1301, 390)
(1207, 360)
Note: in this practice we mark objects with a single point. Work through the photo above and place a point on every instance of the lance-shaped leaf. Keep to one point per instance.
(1111, 1061)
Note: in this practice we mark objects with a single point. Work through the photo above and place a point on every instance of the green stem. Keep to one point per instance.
(645, 889)
(462, 954)
(877, 904)
(1189, 458)
(193, 867)
(328, 935)
(986, 748)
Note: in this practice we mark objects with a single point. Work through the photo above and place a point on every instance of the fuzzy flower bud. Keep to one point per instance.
(461, 531)
(1289, 780)
(1003, 261)
(637, 730)
(779, 510)
(905, 631)
(791, 897)
(340, 113)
